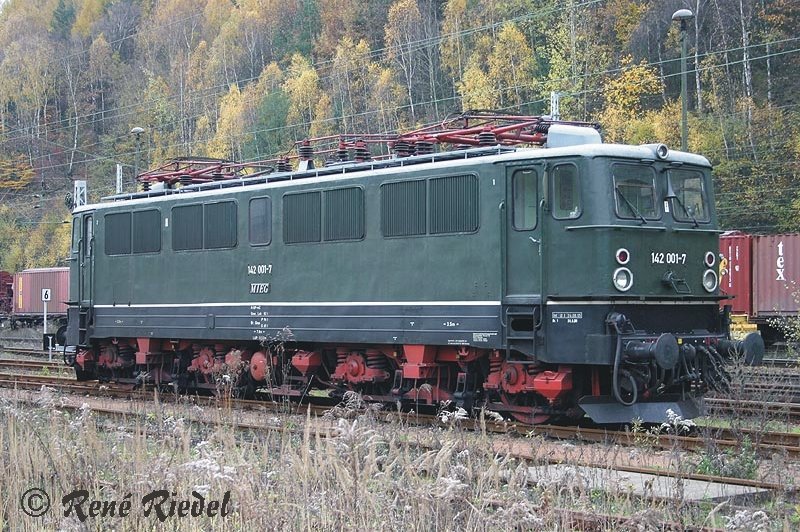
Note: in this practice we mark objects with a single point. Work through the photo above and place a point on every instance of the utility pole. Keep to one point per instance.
(683, 15)
(138, 132)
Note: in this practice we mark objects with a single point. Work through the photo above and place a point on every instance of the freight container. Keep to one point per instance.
(776, 275)
(6, 292)
(28, 285)
(736, 250)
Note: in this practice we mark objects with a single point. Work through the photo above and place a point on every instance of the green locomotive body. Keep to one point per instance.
(539, 282)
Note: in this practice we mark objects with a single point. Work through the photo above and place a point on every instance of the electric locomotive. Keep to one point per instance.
(531, 270)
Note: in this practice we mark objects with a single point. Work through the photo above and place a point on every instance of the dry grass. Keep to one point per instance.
(368, 475)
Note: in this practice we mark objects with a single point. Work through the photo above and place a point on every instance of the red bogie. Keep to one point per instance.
(553, 384)
(204, 362)
(307, 361)
(84, 357)
(353, 367)
(420, 361)
(514, 378)
(258, 366)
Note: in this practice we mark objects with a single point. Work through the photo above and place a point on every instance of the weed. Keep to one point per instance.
(738, 463)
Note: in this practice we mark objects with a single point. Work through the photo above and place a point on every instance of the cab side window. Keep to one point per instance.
(76, 233)
(524, 199)
(566, 192)
(88, 240)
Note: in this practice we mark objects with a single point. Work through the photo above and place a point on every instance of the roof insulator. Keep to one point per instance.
(283, 165)
(360, 151)
(402, 148)
(424, 147)
(487, 138)
(305, 151)
(342, 154)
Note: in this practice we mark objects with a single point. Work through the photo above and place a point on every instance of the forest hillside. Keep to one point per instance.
(245, 79)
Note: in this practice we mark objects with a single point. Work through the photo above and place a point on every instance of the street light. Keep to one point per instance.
(138, 132)
(683, 15)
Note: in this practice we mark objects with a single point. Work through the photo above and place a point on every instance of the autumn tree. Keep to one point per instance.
(303, 89)
(476, 88)
(349, 81)
(228, 138)
(624, 96)
(403, 34)
(511, 67)
(16, 172)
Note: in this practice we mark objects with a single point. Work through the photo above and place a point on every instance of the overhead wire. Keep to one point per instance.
(216, 91)
(422, 44)
(341, 117)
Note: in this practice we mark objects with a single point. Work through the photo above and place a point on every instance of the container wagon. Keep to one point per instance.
(27, 306)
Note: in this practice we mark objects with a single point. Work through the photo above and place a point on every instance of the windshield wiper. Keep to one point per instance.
(630, 205)
(690, 215)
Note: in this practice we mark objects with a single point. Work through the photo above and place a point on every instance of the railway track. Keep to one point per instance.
(570, 517)
(520, 449)
(789, 411)
(766, 443)
(31, 352)
(782, 362)
(35, 365)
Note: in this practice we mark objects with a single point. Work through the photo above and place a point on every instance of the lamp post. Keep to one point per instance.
(682, 15)
(138, 132)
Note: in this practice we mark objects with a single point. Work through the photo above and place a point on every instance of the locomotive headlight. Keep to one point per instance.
(710, 259)
(623, 256)
(623, 279)
(710, 280)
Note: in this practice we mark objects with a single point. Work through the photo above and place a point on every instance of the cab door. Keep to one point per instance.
(522, 241)
(86, 261)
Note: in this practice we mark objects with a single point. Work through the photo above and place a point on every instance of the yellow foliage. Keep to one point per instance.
(626, 14)
(216, 13)
(202, 134)
(624, 96)
(47, 243)
(270, 79)
(386, 95)
(38, 12)
(302, 86)
(324, 123)
(476, 90)
(229, 137)
(15, 172)
(511, 67)
(452, 48)
(31, 243)
(88, 14)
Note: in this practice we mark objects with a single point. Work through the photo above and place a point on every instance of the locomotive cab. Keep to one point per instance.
(629, 282)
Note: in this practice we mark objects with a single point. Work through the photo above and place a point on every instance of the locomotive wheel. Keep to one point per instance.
(61, 335)
(517, 400)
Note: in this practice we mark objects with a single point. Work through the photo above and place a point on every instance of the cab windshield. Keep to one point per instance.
(689, 201)
(635, 192)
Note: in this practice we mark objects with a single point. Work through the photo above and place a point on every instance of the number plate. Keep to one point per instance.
(660, 257)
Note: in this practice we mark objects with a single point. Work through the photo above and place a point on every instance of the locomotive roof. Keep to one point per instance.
(454, 159)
